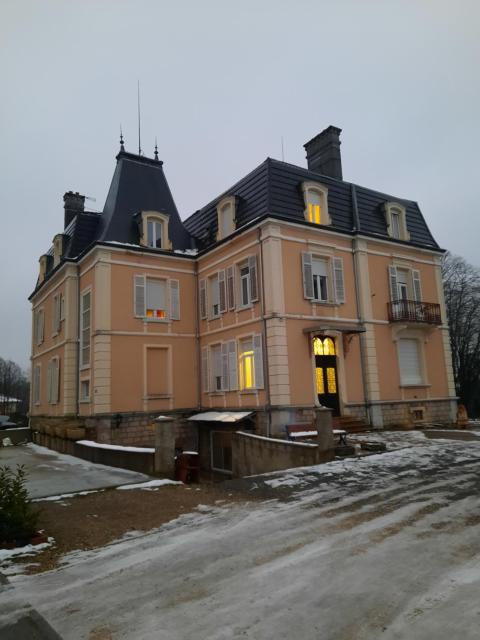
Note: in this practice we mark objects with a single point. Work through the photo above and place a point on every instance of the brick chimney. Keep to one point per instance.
(323, 153)
(73, 203)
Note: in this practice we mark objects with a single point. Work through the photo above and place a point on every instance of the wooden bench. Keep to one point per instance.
(305, 430)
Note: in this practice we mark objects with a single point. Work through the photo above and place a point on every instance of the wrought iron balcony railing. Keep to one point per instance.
(413, 311)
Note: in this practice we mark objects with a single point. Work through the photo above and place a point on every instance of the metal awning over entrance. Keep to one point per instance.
(324, 328)
(220, 416)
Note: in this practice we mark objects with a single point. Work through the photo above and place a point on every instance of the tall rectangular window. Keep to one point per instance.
(53, 380)
(314, 207)
(154, 233)
(36, 384)
(245, 285)
(216, 363)
(57, 313)
(396, 224)
(320, 279)
(246, 364)
(156, 302)
(85, 322)
(214, 296)
(409, 361)
(38, 326)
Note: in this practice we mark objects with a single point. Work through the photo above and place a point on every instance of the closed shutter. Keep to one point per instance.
(417, 288)
(139, 296)
(203, 298)
(232, 365)
(174, 286)
(392, 272)
(40, 325)
(258, 360)
(62, 308)
(204, 368)
(230, 289)
(224, 366)
(307, 275)
(338, 280)
(55, 380)
(252, 269)
(222, 291)
(409, 361)
(36, 384)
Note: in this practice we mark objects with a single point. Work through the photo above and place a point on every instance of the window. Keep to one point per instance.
(216, 360)
(156, 299)
(84, 390)
(402, 284)
(226, 217)
(316, 203)
(85, 319)
(58, 308)
(53, 380)
(219, 367)
(323, 279)
(405, 284)
(250, 363)
(158, 369)
(214, 296)
(38, 328)
(396, 219)
(409, 361)
(58, 242)
(36, 384)
(247, 275)
(153, 228)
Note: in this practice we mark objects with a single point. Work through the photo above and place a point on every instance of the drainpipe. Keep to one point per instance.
(197, 339)
(356, 219)
(77, 374)
(265, 349)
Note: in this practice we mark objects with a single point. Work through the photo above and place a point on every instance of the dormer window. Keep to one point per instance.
(226, 217)
(57, 248)
(154, 230)
(396, 219)
(316, 203)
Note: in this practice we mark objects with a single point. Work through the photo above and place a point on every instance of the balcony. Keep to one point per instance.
(413, 311)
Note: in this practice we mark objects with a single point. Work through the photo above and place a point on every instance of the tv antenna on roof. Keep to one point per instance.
(138, 109)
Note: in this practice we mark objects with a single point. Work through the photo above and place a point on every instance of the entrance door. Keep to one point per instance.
(326, 373)
(221, 451)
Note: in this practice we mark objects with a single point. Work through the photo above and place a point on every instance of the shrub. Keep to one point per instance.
(18, 519)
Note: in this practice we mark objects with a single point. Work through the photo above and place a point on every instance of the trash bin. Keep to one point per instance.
(187, 467)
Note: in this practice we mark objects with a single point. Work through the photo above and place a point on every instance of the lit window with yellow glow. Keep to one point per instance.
(323, 347)
(246, 365)
(314, 209)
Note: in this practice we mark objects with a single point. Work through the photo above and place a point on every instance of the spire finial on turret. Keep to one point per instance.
(122, 148)
(156, 149)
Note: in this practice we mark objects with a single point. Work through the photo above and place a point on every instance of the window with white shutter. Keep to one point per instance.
(232, 365)
(392, 277)
(231, 288)
(203, 298)
(53, 380)
(246, 366)
(409, 361)
(214, 296)
(139, 296)
(156, 299)
(174, 286)
(320, 279)
(57, 314)
(39, 321)
(216, 367)
(258, 357)
(224, 366)
(307, 276)
(85, 319)
(204, 370)
(36, 379)
(252, 267)
(417, 287)
(338, 278)
(222, 291)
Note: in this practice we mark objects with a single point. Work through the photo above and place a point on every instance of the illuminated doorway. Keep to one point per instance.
(326, 379)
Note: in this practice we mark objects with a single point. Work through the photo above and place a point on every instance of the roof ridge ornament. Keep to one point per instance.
(122, 147)
(156, 149)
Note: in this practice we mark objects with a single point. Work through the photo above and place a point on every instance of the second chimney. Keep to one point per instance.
(323, 153)
(73, 203)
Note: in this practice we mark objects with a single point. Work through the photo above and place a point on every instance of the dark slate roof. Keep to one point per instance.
(80, 233)
(274, 188)
(139, 184)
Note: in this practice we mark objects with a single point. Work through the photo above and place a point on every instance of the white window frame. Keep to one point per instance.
(226, 210)
(157, 218)
(212, 313)
(57, 314)
(391, 208)
(335, 278)
(83, 346)
(39, 325)
(216, 382)
(154, 318)
(53, 380)
(321, 191)
(317, 279)
(83, 398)
(255, 354)
(404, 382)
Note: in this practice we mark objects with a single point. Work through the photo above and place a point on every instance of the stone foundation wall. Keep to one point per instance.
(402, 414)
(280, 417)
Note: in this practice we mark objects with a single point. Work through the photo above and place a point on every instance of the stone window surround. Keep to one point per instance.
(398, 208)
(421, 335)
(322, 191)
(164, 219)
(226, 206)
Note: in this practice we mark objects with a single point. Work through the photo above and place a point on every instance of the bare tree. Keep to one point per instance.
(462, 297)
(13, 384)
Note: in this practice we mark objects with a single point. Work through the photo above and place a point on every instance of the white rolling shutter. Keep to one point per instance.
(222, 291)
(409, 361)
(230, 288)
(203, 298)
(338, 280)
(204, 370)
(174, 287)
(392, 273)
(139, 296)
(417, 287)
(307, 275)
(252, 270)
(258, 360)
(232, 365)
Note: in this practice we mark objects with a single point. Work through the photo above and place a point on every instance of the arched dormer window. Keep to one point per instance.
(154, 230)
(315, 196)
(396, 219)
(226, 209)
(58, 243)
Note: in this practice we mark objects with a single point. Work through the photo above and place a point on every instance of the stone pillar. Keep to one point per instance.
(323, 425)
(165, 446)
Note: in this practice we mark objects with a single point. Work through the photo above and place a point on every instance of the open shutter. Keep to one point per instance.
(258, 360)
(203, 298)
(204, 373)
(230, 289)
(307, 275)
(392, 272)
(232, 365)
(139, 295)
(224, 366)
(252, 268)
(174, 286)
(417, 287)
(222, 291)
(42, 325)
(56, 381)
(338, 280)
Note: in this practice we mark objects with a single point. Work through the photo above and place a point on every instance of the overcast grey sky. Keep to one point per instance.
(221, 82)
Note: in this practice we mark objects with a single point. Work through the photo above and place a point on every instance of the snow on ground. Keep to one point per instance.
(384, 547)
(28, 550)
(151, 485)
